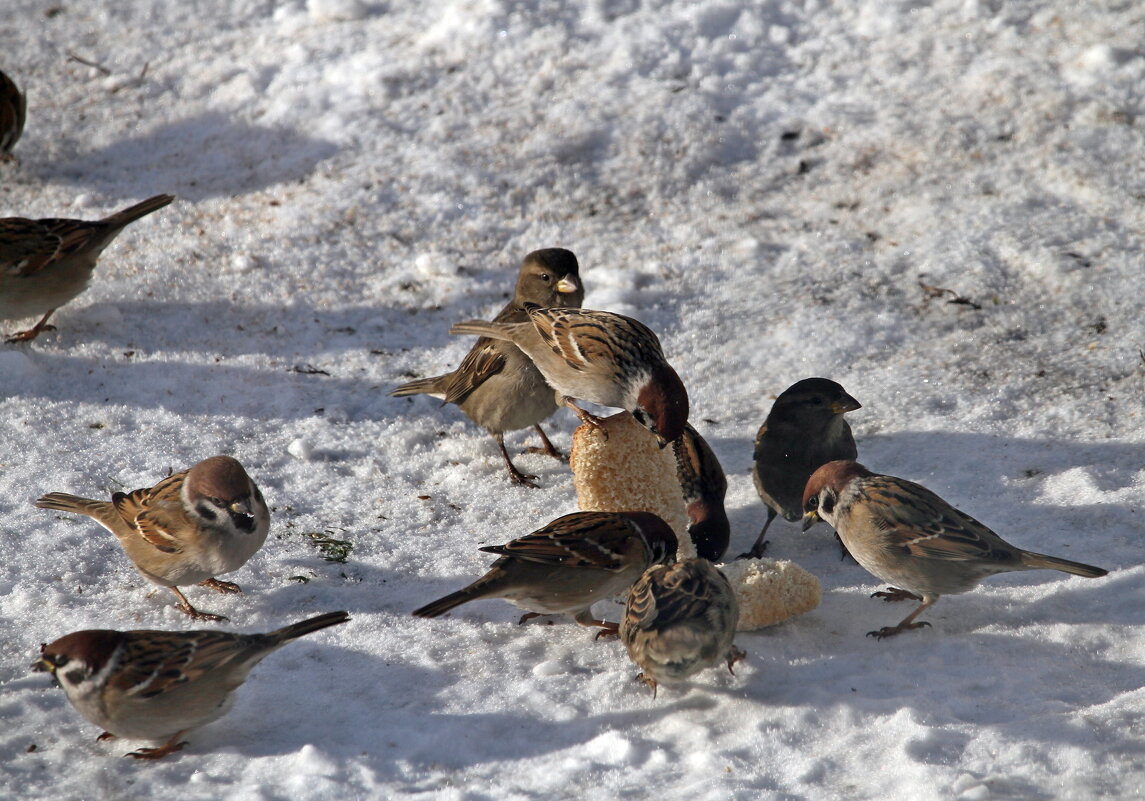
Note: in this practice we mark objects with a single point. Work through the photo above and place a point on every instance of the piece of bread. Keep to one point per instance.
(628, 471)
(770, 591)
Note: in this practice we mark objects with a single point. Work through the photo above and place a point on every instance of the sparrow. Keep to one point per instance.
(599, 357)
(905, 535)
(187, 529)
(679, 619)
(13, 108)
(158, 685)
(496, 386)
(704, 486)
(570, 564)
(804, 429)
(46, 263)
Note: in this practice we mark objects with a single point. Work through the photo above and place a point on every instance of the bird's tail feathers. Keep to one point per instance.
(141, 209)
(1035, 561)
(309, 626)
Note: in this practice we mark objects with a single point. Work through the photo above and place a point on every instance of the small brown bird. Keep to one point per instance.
(680, 619)
(569, 565)
(496, 385)
(187, 529)
(13, 111)
(804, 430)
(46, 263)
(704, 485)
(599, 357)
(158, 685)
(905, 535)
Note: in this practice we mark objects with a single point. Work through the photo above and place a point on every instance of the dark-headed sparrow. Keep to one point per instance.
(907, 536)
(46, 263)
(704, 485)
(805, 429)
(569, 565)
(599, 357)
(13, 108)
(158, 685)
(680, 619)
(496, 385)
(187, 529)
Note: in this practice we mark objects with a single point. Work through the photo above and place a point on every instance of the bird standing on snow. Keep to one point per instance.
(904, 534)
(46, 263)
(569, 565)
(804, 429)
(187, 529)
(496, 385)
(158, 685)
(680, 619)
(599, 357)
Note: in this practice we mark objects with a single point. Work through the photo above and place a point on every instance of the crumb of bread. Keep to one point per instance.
(770, 591)
(628, 472)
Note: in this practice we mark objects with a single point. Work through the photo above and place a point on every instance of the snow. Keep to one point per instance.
(768, 186)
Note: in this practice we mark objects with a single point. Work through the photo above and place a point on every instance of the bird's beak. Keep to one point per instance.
(810, 519)
(568, 284)
(240, 507)
(845, 404)
(43, 666)
(663, 443)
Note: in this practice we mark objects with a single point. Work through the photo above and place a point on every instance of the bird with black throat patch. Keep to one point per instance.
(905, 535)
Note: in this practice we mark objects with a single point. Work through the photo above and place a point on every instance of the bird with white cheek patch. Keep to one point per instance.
(187, 529)
(158, 685)
(46, 263)
(599, 357)
(907, 536)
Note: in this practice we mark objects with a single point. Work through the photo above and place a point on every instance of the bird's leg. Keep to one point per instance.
(760, 543)
(843, 552)
(585, 417)
(907, 622)
(547, 448)
(649, 681)
(169, 747)
(34, 331)
(734, 655)
(515, 475)
(221, 586)
(185, 607)
(585, 618)
(892, 594)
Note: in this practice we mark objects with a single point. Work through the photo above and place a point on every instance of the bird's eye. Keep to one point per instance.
(812, 504)
(816, 401)
(216, 501)
(545, 277)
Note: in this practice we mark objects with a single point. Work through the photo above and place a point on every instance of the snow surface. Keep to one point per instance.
(767, 185)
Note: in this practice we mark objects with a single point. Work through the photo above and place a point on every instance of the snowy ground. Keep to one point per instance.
(768, 187)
